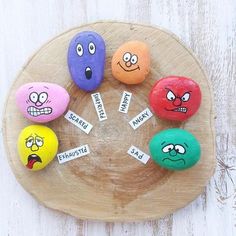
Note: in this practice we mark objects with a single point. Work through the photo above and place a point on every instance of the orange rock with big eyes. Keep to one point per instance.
(131, 62)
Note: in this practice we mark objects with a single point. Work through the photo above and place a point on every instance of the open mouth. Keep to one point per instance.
(34, 111)
(179, 109)
(137, 68)
(88, 72)
(167, 158)
(33, 158)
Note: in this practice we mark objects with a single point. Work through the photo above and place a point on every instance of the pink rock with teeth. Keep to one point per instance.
(42, 102)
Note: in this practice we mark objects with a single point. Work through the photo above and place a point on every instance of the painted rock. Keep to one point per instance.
(37, 146)
(86, 60)
(175, 149)
(131, 62)
(42, 102)
(175, 98)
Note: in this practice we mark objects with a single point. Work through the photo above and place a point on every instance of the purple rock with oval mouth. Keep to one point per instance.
(86, 60)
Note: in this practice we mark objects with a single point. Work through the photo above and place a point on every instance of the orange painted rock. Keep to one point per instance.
(131, 62)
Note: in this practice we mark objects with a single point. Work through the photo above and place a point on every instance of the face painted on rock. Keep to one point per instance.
(131, 62)
(37, 146)
(42, 102)
(86, 60)
(175, 98)
(175, 149)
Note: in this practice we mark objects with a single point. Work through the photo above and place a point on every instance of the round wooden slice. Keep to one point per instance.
(108, 184)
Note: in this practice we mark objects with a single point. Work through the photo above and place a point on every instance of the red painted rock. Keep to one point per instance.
(175, 98)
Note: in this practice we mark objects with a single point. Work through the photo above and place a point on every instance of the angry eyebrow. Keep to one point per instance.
(186, 145)
(163, 143)
(46, 87)
(30, 87)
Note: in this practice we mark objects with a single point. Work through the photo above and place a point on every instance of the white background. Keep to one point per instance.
(207, 27)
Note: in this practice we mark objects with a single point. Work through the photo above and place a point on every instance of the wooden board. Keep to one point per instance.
(108, 184)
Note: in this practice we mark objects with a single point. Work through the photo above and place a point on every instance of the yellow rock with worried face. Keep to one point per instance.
(37, 146)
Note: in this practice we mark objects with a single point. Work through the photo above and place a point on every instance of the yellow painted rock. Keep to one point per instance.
(37, 146)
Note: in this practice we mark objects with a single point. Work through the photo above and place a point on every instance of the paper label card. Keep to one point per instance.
(141, 118)
(125, 101)
(73, 154)
(78, 121)
(138, 154)
(98, 104)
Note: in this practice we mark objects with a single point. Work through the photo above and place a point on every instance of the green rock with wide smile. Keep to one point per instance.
(175, 149)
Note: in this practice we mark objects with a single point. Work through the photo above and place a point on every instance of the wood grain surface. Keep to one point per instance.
(207, 27)
(108, 184)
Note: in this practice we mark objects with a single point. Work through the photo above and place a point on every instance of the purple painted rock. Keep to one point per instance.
(42, 102)
(86, 60)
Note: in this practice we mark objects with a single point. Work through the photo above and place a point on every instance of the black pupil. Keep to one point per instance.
(79, 49)
(169, 148)
(91, 47)
(177, 150)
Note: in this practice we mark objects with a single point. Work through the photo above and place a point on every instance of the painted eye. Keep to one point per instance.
(180, 149)
(126, 57)
(79, 50)
(134, 59)
(168, 148)
(29, 142)
(92, 48)
(185, 97)
(170, 96)
(33, 97)
(39, 142)
(43, 97)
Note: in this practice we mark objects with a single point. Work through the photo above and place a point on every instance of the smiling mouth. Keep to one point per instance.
(34, 111)
(178, 109)
(137, 68)
(33, 158)
(88, 72)
(167, 158)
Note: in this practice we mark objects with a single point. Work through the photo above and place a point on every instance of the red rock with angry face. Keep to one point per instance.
(175, 98)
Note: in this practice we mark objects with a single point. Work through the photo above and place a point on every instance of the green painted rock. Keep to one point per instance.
(175, 149)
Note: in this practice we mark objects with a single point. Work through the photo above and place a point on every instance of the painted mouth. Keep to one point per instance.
(167, 158)
(34, 111)
(137, 68)
(178, 109)
(33, 158)
(88, 72)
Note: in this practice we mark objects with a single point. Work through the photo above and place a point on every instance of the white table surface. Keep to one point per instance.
(207, 27)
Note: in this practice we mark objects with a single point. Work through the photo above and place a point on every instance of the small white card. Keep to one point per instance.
(98, 104)
(73, 154)
(141, 118)
(124, 102)
(78, 121)
(138, 154)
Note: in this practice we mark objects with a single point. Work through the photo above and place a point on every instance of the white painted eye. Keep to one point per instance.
(29, 142)
(79, 49)
(126, 57)
(134, 59)
(170, 96)
(39, 142)
(92, 48)
(168, 148)
(180, 149)
(43, 97)
(33, 97)
(185, 97)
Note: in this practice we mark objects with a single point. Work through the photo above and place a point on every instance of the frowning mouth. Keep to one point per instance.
(137, 68)
(178, 109)
(33, 158)
(167, 158)
(34, 111)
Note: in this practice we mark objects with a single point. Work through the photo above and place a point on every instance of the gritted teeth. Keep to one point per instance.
(34, 111)
(181, 109)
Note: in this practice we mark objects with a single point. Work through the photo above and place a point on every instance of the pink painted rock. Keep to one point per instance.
(42, 102)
